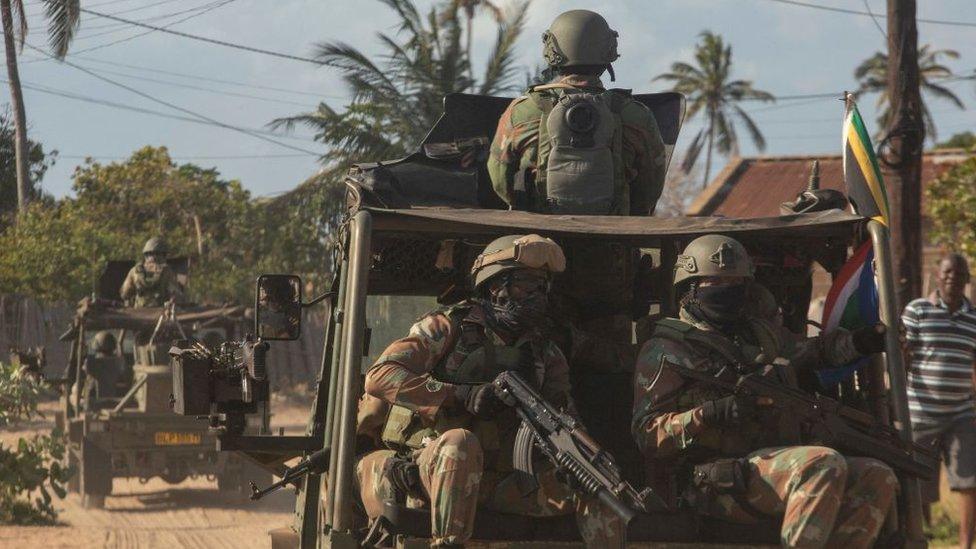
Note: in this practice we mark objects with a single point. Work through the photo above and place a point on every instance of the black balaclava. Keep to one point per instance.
(515, 315)
(723, 306)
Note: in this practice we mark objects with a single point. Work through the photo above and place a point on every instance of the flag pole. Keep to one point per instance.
(889, 314)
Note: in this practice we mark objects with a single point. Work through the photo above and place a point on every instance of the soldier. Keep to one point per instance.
(151, 283)
(429, 400)
(571, 146)
(104, 368)
(733, 456)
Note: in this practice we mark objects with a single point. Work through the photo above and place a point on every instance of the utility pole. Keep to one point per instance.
(901, 154)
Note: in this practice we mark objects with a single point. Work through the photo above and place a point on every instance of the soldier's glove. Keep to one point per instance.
(869, 339)
(479, 400)
(404, 474)
(728, 411)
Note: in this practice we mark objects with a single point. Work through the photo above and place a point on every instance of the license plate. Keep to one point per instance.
(167, 438)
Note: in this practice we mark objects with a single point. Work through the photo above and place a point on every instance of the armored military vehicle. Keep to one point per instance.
(116, 412)
(416, 225)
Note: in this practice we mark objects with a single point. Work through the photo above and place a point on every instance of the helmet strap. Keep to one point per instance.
(613, 77)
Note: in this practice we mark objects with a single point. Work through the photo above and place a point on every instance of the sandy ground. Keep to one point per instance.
(191, 514)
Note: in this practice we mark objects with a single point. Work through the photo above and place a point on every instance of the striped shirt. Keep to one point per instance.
(942, 351)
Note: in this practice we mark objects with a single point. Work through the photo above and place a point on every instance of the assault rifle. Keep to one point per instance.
(571, 451)
(316, 463)
(824, 420)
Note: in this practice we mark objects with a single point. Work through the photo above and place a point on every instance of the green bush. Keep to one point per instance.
(29, 473)
(30, 470)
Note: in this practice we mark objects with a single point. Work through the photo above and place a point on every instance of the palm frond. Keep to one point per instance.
(754, 133)
(694, 150)
(63, 17)
(500, 72)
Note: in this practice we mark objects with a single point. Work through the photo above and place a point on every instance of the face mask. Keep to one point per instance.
(521, 314)
(721, 305)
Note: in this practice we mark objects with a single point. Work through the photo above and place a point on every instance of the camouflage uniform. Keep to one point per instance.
(150, 288)
(463, 461)
(826, 499)
(515, 148)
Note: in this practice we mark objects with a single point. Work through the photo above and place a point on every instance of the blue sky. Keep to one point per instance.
(784, 49)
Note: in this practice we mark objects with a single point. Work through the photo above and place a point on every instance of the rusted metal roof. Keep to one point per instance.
(755, 187)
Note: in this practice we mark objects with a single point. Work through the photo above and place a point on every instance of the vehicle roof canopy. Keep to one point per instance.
(96, 315)
(643, 231)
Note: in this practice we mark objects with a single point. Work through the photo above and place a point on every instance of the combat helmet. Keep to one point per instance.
(713, 255)
(517, 252)
(104, 342)
(580, 37)
(155, 245)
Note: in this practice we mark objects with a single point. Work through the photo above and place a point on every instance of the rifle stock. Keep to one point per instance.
(571, 450)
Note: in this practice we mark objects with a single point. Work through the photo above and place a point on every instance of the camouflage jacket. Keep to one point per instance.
(667, 421)
(405, 375)
(516, 145)
(143, 288)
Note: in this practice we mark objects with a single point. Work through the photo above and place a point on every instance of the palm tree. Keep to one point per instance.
(470, 7)
(872, 75)
(709, 88)
(63, 18)
(394, 103)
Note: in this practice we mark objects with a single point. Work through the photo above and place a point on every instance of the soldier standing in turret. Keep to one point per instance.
(151, 283)
(572, 146)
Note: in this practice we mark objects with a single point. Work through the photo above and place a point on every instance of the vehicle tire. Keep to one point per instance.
(95, 475)
(93, 501)
(71, 461)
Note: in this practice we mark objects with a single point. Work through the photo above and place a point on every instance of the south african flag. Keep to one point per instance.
(865, 188)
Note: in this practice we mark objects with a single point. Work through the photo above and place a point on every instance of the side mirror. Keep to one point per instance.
(278, 307)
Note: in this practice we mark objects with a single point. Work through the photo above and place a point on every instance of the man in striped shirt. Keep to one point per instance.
(940, 333)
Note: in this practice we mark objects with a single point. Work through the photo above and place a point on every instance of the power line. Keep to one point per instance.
(207, 78)
(174, 106)
(857, 12)
(208, 157)
(202, 11)
(203, 38)
(201, 88)
(875, 19)
(121, 27)
(123, 106)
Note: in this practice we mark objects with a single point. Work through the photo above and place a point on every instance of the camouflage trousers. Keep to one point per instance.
(825, 499)
(455, 484)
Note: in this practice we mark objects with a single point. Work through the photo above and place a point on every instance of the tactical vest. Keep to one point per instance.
(774, 429)
(580, 162)
(472, 359)
(153, 289)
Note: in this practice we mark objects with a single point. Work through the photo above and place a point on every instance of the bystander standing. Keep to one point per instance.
(940, 333)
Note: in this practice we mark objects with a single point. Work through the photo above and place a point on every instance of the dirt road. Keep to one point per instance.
(191, 514)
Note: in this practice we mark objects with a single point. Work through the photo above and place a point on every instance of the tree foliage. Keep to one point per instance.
(395, 102)
(963, 140)
(872, 76)
(951, 204)
(57, 250)
(711, 90)
(37, 160)
(31, 470)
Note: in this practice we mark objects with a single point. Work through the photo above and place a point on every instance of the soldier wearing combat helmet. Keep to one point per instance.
(572, 146)
(735, 456)
(447, 439)
(151, 283)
